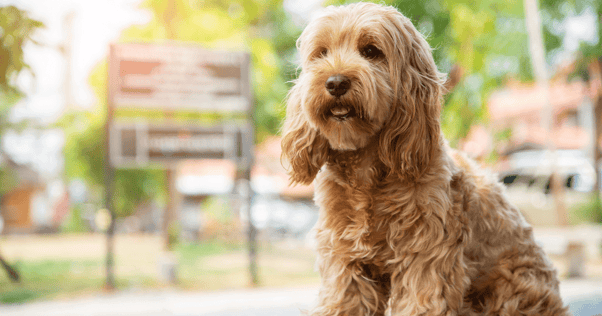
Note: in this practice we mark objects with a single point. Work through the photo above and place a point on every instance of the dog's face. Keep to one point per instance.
(367, 76)
(346, 85)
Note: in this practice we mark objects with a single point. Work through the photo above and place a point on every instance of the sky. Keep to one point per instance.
(95, 25)
(576, 29)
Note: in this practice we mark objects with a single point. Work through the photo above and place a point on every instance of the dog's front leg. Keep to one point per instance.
(428, 288)
(349, 287)
(430, 275)
(347, 290)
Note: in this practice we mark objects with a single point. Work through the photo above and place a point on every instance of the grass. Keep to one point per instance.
(211, 265)
(190, 252)
(225, 266)
(588, 211)
(44, 279)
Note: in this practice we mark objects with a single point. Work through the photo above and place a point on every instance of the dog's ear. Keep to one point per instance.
(411, 135)
(304, 150)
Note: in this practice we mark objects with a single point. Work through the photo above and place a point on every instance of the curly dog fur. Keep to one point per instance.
(407, 225)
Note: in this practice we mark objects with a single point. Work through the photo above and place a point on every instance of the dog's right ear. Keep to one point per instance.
(304, 150)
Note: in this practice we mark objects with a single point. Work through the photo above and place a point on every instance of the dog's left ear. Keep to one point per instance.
(410, 137)
(304, 150)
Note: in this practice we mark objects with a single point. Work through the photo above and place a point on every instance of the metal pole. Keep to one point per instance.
(168, 266)
(110, 258)
(109, 175)
(170, 208)
(538, 61)
(597, 137)
(248, 166)
(251, 230)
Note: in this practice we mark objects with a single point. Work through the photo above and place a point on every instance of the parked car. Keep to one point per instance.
(528, 182)
(280, 218)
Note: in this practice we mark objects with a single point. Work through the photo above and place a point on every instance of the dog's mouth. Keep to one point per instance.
(341, 112)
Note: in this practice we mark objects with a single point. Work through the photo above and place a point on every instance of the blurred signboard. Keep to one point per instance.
(174, 77)
(141, 144)
(171, 78)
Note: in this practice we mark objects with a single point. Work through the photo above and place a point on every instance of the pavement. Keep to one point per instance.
(265, 302)
(584, 297)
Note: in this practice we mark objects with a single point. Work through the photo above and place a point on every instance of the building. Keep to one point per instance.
(524, 162)
(20, 204)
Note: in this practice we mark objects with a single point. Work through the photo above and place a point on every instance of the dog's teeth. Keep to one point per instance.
(339, 111)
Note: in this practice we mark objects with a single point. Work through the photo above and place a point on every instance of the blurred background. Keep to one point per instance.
(80, 236)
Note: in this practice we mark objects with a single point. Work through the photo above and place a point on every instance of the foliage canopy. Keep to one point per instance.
(16, 31)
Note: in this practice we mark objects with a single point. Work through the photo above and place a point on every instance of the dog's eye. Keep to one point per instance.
(323, 53)
(371, 52)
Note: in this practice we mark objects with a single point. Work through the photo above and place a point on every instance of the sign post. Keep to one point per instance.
(109, 174)
(171, 78)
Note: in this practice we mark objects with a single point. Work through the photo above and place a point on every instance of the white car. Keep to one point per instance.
(528, 183)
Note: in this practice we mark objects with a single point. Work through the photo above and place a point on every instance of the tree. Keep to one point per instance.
(16, 30)
(587, 63)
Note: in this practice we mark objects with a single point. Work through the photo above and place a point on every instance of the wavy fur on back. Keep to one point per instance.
(407, 225)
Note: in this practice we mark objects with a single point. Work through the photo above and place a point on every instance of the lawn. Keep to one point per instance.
(50, 278)
(64, 266)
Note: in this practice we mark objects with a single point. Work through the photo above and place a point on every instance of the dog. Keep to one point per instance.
(407, 225)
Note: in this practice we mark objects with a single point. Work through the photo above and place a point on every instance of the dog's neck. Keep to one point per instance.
(363, 167)
(360, 168)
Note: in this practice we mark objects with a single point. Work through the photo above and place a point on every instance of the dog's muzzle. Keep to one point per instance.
(338, 85)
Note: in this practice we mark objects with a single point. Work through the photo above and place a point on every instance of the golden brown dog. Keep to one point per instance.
(407, 226)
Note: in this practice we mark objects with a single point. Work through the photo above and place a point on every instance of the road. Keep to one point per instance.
(583, 296)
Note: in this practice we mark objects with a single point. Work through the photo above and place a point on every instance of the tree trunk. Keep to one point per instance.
(12, 273)
(538, 61)
(597, 138)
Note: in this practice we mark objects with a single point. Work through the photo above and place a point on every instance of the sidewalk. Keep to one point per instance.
(160, 303)
(583, 296)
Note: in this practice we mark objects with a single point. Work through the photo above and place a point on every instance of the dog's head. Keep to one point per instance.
(367, 75)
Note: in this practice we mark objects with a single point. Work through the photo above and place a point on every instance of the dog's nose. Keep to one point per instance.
(338, 85)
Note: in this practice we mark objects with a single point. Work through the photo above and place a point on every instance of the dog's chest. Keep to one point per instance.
(366, 212)
(353, 197)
